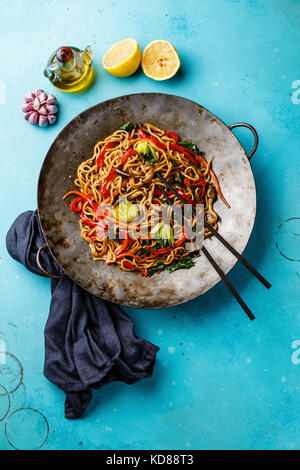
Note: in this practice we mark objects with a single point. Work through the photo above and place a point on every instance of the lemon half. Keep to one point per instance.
(123, 58)
(160, 60)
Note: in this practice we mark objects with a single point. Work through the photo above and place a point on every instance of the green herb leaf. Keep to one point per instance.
(143, 251)
(186, 262)
(179, 178)
(128, 126)
(155, 269)
(189, 146)
(174, 162)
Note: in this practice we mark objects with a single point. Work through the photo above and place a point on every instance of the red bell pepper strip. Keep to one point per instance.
(185, 197)
(173, 136)
(142, 134)
(93, 223)
(103, 188)
(100, 158)
(127, 155)
(92, 237)
(158, 143)
(129, 265)
(177, 243)
(123, 246)
(132, 267)
(76, 204)
(91, 202)
(86, 197)
(187, 153)
(180, 241)
(159, 252)
(200, 182)
(83, 197)
(157, 192)
(127, 253)
(202, 194)
(104, 191)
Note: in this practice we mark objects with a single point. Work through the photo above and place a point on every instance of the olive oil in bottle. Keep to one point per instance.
(70, 69)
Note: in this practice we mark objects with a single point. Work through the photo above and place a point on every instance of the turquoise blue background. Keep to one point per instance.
(220, 381)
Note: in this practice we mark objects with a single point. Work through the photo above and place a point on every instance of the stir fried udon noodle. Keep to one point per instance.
(119, 192)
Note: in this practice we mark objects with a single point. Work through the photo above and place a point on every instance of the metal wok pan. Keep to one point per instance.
(75, 144)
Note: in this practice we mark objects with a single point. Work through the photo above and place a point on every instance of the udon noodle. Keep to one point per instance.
(125, 165)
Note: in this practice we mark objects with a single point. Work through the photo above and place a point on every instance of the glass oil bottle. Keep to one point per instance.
(70, 69)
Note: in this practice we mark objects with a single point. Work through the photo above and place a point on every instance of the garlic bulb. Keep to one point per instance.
(40, 108)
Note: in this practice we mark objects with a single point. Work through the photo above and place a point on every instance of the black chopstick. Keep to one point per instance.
(165, 195)
(210, 258)
(238, 256)
(225, 243)
(228, 283)
(162, 179)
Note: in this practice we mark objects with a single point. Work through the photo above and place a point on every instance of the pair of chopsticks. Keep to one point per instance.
(211, 259)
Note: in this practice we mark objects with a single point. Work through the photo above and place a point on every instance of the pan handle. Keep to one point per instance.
(244, 124)
(38, 262)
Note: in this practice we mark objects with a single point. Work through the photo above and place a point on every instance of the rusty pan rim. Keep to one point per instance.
(110, 101)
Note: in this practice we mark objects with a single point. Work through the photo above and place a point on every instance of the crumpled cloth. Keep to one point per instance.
(88, 342)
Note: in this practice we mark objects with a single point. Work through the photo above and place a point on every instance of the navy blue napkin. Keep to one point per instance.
(88, 342)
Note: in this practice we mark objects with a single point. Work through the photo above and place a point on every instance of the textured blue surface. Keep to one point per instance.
(220, 382)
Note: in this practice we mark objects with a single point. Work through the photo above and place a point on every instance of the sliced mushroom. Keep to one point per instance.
(211, 192)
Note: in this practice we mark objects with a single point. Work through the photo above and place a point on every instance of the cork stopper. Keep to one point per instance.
(64, 54)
